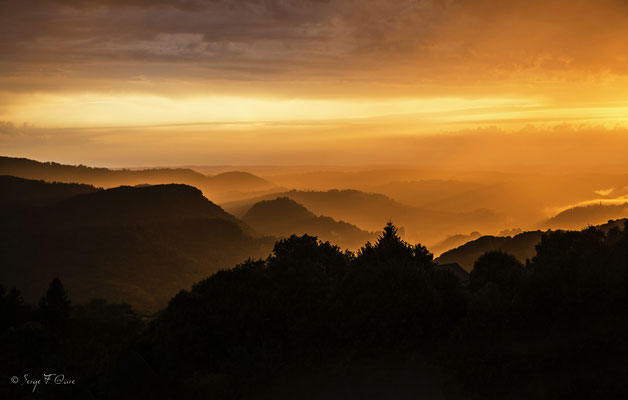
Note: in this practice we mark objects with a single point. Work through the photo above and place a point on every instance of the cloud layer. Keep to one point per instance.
(431, 45)
(295, 64)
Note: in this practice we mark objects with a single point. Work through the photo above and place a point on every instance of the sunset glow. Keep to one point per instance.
(370, 70)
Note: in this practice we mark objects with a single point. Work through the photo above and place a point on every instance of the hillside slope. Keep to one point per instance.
(226, 186)
(19, 192)
(284, 217)
(140, 245)
(522, 246)
(373, 210)
(580, 217)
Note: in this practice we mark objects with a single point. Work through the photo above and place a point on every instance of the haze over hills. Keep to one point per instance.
(429, 205)
(425, 193)
(321, 178)
(453, 241)
(452, 203)
(284, 217)
(135, 244)
(226, 186)
(582, 216)
(372, 210)
(525, 199)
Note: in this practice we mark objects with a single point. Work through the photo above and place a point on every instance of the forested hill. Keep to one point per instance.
(227, 186)
(135, 244)
(582, 216)
(284, 217)
(19, 192)
(137, 205)
(522, 246)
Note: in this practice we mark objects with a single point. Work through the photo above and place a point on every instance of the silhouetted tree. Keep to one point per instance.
(497, 268)
(54, 307)
(11, 307)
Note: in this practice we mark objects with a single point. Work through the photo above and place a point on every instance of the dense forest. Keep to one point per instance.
(312, 321)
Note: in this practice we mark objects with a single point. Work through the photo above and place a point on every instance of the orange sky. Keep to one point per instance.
(488, 83)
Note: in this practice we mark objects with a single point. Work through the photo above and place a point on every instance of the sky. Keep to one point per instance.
(488, 83)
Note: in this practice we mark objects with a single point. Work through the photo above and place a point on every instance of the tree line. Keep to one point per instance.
(553, 327)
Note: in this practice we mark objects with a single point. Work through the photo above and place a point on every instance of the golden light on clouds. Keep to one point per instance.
(141, 110)
(203, 76)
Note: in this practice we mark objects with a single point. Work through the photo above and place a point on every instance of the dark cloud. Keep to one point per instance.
(446, 42)
(86, 4)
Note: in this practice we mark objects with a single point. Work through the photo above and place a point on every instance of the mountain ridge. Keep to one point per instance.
(226, 186)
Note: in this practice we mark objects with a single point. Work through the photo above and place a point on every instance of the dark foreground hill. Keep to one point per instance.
(284, 217)
(134, 244)
(314, 322)
(18, 192)
(126, 205)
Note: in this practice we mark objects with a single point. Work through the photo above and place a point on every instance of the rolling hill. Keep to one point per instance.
(140, 245)
(226, 186)
(371, 211)
(453, 241)
(580, 217)
(18, 192)
(283, 217)
(522, 246)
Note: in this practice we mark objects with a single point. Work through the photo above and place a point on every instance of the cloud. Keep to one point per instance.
(562, 148)
(603, 192)
(7, 128)
(191, 5)
(425, 45)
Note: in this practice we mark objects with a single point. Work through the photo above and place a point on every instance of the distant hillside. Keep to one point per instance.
(283, 217)
(580, 217)
(226, 186)
(18, 192)
(234, 180)
(275, 213)
(372, 210)
(522, 246)
(424, 193)
(135, 244)
(453, 241)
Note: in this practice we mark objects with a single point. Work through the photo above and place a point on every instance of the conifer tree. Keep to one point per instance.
(54, 307)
